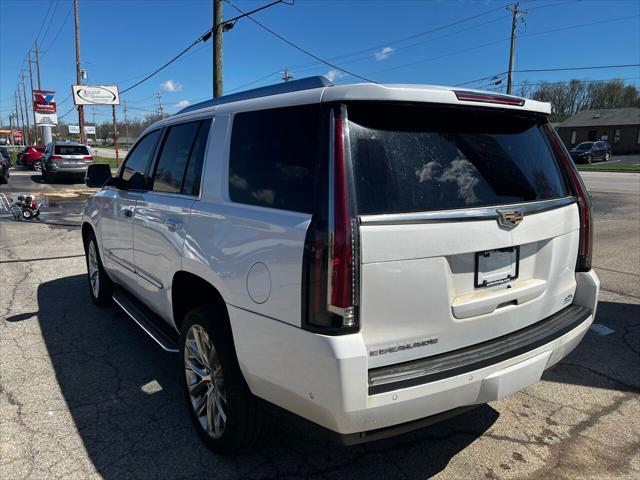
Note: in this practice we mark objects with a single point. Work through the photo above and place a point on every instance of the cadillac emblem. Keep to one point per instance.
(509, 219)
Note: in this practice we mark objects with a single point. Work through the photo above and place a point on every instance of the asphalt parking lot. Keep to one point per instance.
(84, 393)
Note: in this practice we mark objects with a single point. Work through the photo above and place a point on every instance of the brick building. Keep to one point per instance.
(618, 126)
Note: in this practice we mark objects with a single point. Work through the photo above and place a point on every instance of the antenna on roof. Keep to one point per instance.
(286, 75)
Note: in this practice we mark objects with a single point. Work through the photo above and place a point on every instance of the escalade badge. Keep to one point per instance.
(509, 219)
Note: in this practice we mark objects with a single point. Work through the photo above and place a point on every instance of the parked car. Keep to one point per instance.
(31, 157)
(588, 152)
(4, 153)
(4, 170)
(369, 258)
(67, 159)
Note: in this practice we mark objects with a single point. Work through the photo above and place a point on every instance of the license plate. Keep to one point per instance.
(494, 267)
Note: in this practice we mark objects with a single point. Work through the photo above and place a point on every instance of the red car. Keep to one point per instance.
(31, 157)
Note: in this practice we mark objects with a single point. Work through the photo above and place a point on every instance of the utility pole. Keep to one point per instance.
(78, 77)
(33, 109)
(217, 48)
(126, 126)
(38, 65)
(19, 109)
(26, 110)
(286, 75)
(515, 11)
(160, 112)
(115, 134)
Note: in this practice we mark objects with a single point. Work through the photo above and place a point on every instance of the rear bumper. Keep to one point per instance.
(326, 379)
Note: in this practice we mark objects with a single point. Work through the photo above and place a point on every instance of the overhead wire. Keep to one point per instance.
(301, 49)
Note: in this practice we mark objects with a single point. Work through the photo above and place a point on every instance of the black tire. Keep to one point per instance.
(27, 214)
(37, 166)
(104, 292)
(4, 179)
(246, 421)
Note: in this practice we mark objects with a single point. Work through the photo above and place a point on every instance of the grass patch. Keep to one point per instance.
(110, 161)
(608, 167)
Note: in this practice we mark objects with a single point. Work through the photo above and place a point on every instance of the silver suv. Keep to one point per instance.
(369, 258)
(67, 159)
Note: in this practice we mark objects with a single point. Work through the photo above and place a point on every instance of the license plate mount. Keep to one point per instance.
(495, 267)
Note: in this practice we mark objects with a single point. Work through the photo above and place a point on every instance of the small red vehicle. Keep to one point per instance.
(31, 157)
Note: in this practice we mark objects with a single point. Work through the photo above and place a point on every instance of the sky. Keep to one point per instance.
(384, 41)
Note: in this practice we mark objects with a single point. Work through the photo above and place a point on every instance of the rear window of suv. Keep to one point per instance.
(409, 158)
(71, 150)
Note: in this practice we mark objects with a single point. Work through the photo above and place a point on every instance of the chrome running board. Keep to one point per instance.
(154, 326)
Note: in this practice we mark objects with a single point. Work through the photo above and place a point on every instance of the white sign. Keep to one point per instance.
(95, 95)
(46, 119)
(89, 129)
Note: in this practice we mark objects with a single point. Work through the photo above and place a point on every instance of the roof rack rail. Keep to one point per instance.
(275, 89)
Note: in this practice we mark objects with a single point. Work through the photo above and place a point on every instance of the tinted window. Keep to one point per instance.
(68, 150)
(585, 146)
(191, 185)
(173, 159)
(273, 157)
(135, 166)
(409, 159)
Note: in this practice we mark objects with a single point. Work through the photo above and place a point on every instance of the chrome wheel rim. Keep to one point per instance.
(205, 381)
(37, 166)
(94, 272)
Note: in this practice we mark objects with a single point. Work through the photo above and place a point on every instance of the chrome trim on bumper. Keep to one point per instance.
(475, 357)
(464, 215)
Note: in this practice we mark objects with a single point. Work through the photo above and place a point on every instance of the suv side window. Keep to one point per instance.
(135, 166)
(180, 160)
(273, 158)
(191, 184)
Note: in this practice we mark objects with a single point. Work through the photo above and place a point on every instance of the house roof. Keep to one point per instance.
(604, 118)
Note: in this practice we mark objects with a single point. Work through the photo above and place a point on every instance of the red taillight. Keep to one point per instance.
(87, 158)
(583, 263)
(342, 265)
(330, 268)
(56, 157)
(488, 98)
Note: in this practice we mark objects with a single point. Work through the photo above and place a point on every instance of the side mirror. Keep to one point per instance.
(98, 174)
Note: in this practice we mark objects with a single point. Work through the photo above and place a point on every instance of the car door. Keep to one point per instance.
(162, 212)
(117, 208)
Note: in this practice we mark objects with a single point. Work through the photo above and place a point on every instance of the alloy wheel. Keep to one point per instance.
(94, 270)
(205, 381)
(37, 166)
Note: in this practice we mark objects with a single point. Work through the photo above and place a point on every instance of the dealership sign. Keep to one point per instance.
(46, 119)
(89, 129)
(95, 95)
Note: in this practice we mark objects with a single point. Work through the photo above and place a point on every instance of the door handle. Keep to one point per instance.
(127, 212)
(173, 224)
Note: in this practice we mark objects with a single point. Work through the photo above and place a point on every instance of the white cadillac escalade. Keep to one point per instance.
(368, 258)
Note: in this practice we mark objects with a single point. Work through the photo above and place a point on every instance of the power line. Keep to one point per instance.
(202, 38)
(417, 62)
(55, 9)
(297, 47)
(44, 19)
(64, 22)
(410, 37)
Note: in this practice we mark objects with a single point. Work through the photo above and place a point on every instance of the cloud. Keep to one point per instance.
(171, 86)
(384, 53)
(333, 75)
(183, 104)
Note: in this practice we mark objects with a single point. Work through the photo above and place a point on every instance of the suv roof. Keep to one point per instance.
(68, 143)
(326, 91)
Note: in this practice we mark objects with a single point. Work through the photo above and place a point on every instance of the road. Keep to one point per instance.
(85, 394)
